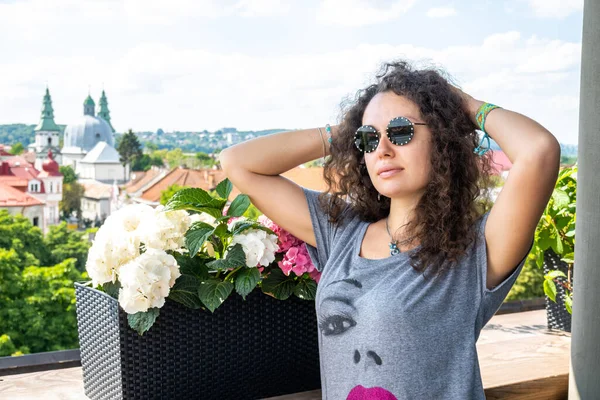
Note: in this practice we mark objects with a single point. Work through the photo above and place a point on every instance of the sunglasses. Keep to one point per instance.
(400, 131)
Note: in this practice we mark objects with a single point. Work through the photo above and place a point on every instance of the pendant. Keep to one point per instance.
(394, 250)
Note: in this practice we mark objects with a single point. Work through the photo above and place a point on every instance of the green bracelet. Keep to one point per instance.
(482, 114)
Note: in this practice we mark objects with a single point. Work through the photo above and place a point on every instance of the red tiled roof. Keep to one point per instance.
(96, 190)
(12, 197)
(205, 179)
(142, 178)
(13, 181)
(208, 179)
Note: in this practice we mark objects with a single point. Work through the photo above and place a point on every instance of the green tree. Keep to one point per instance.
(63, 244)
(17, 233)
(150, 146)
(145, 162)
(174, 158)
(69, 175)
(71, 201)
(166, 194)
(129, 148)
(204, 159)
(17, 148)
(41, 317)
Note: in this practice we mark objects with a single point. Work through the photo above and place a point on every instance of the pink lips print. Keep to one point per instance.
(375, 393)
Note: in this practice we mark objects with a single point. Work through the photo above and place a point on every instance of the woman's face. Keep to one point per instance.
(410, 163)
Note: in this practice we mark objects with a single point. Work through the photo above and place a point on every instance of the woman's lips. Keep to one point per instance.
(390, 172)
(375, 393)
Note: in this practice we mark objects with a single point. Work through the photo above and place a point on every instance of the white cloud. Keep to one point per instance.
(262, 8)
(555, 8)
(354, 13)
(441, 12)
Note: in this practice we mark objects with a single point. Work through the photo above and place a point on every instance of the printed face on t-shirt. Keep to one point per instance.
(345, 320)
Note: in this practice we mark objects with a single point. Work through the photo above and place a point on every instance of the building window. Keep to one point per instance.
(49, 140)
(36, 221)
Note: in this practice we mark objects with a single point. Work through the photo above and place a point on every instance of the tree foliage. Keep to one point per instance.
(37, 301)
(17, 148)
(69, 175)
(129, 148)
(71, 200)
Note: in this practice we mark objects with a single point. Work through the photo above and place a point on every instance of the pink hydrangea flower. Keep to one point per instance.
(286, 239)
(296, 260)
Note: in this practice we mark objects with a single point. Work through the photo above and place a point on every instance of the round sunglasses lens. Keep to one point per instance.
(400, 131)
(366, 139)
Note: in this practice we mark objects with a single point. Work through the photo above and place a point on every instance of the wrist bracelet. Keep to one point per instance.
(322, 140)
(482, 114)
(328, 130)
(480, 117)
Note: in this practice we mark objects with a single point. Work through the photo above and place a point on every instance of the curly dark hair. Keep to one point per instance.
(444, 216)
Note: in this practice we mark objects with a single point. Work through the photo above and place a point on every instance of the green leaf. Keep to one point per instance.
(239, 206)
(569, 304)
(192, 266)
(561, 198)
(569, 258)
(278, 285)
(571, 231)
(112, 289)
(243, 225)
(195, 237)
(557, 245)
(550, 289)
(235, 258)
(214, 292)
(142, 321)
(544, 240)
(554, 274)
(306, 289)
(224, 188)
(196, 199)
(246, 280)
(190, 300)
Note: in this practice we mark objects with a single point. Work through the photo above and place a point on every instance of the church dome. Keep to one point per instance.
(51, 166)
(87, 132)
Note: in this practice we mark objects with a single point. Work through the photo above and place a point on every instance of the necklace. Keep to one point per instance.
(394, 243)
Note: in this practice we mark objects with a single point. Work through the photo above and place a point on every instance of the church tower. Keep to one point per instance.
(103, 111)
(88, 106)
(46, 132)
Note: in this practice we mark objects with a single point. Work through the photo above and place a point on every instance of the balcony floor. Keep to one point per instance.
(519, 359)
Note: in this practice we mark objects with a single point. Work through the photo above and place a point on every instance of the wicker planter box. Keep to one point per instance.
(251, 349)
(558, 316)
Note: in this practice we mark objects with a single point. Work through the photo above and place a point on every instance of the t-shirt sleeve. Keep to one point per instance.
(323, 229)
(493, 298)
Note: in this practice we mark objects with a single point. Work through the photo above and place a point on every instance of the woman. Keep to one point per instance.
(411, 269)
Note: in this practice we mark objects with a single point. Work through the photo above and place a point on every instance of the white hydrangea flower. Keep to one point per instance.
(165, 229)
(146, 281)
(110, 250)
(258, 246)
(203, 217)
(129, 217)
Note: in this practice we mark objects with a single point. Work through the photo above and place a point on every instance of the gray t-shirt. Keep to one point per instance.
(386, 332)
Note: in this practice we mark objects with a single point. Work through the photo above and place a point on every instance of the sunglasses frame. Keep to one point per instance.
(411, 125)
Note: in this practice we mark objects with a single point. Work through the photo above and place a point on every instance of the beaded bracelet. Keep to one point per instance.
(328, 130)
(480, 117)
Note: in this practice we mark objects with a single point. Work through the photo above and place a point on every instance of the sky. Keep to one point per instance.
(191, 65)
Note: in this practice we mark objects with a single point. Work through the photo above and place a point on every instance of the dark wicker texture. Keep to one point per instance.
(558, 316)
(251, 349)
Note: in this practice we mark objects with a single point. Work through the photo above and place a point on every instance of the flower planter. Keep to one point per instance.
(558, 316)
(251, 349)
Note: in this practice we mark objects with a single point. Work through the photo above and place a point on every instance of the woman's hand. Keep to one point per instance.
(470, 104)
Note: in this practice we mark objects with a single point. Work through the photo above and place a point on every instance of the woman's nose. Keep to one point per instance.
(372, 359)
(385, 147)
